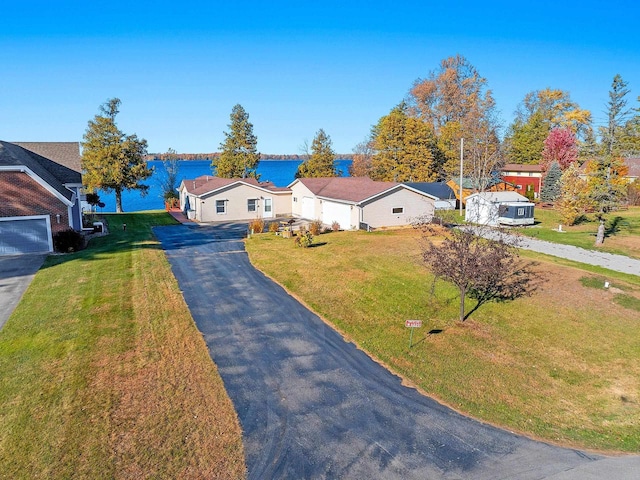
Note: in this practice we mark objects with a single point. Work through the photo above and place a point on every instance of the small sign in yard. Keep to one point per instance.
(412, 324)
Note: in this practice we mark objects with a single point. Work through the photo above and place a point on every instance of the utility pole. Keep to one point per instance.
(461, 162)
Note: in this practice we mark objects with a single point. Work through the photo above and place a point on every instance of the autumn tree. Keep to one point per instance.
(573, 202)
(404, 149)
(551, 183)
(362, 155)
(238, 157)
(538, 113)
(484, 269)
(111, 160)
(456, 102)
(560, 146)
(322, 160)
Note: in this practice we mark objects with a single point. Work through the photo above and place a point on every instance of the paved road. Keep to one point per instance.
(16, 273)
(313, 406)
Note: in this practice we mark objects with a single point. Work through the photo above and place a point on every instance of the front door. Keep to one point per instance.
(268, 208)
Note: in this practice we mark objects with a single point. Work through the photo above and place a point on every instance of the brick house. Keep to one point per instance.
(39, 195)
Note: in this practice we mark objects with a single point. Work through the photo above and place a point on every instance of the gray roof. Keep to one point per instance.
(440, 190)
(66, 154)
(53, 173)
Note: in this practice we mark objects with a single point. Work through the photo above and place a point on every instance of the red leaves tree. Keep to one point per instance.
(560, 146)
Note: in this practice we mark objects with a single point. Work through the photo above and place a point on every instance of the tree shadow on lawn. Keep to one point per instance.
(615, 225)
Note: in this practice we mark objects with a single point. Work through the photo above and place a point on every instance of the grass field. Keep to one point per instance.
(103, 373)
(622, 234)
(561, 365)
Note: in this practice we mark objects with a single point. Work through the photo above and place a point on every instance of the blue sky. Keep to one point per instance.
(179, 67)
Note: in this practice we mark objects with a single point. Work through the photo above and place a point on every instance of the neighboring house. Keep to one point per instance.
(359, 202)
(444, 195)
(40, 184)
(523, 175)
(632, 164)
(472, 185)
(495, 208)
(210, 199)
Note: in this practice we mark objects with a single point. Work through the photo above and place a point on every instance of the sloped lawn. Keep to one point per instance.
(561, 365)
(103, 373)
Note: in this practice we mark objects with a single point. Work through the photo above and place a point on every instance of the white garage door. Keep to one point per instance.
(308, 210)
(24, 235)
(336, 212)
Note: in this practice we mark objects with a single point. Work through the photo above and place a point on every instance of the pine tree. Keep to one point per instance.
(111, 160)
(239, 157)
(551, 184)
(322, 161)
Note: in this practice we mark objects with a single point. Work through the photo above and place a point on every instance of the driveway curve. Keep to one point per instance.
(314, 406)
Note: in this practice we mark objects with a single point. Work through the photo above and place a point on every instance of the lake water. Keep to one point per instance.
(280, 172)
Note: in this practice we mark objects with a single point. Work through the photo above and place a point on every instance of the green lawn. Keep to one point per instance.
(103, 373)
(622, 237)
(561, 365)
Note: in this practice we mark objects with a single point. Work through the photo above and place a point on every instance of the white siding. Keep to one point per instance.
(379, 212)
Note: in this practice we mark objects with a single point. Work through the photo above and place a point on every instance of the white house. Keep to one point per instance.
(358, 202)
(210, 199)
(494, 208)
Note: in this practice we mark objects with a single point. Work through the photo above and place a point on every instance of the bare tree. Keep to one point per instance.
(486, 269)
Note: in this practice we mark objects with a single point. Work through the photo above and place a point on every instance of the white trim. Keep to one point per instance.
(40, 181)
(35, 217)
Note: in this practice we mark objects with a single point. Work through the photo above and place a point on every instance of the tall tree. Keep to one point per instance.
(612, 135)
(239, 157)
(322, 161)
(573, 202)
(169, 181)
(455, 101)
(560, 146)
(536, 116)
(111, 160)
(404, 149)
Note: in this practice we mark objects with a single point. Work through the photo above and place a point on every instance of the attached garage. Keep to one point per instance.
(19, 235)
(308, 208)
(336, 212)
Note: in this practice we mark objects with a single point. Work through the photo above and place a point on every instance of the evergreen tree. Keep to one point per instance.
(239, 157)
(322, 161)
(551, 184)
(111, 160)
(404, 149)
(612, 134)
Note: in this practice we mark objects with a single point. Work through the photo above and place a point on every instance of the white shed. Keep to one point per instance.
(499, 208)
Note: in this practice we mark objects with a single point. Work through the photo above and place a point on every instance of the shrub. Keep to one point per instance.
(274, 227)
(68, 241)
(315, 228)
(304, 240)
(335, 226)
(256, 226)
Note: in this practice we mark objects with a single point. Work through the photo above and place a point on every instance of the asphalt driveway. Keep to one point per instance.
(312, 405)
(16, 273)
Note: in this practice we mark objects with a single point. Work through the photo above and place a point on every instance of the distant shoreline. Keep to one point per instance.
(263, 157)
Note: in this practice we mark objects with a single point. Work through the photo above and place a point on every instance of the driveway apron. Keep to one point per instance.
(312, 405)
(16, 274)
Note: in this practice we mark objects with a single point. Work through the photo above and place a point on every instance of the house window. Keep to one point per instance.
(521, 212)
(397, 210)
(252, 204)
(519, 187)
(221, 207)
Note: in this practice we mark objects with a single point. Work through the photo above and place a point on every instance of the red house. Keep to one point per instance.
(522, 176)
